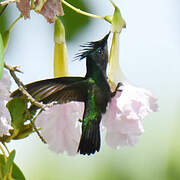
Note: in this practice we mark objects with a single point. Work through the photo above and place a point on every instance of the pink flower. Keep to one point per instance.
(60, 128)
(123, 118)
(5, 119)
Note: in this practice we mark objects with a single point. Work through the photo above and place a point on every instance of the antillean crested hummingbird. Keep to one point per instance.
(93, 90)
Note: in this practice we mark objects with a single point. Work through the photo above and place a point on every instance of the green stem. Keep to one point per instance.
(1, 148)
(32, 4)
(12, 25)
(79, 11)
(35, 128)
(5, 147)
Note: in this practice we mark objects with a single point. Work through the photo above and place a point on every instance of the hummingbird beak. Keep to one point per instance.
(106, 37)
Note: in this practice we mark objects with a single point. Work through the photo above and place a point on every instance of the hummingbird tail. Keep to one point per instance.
(90, 138)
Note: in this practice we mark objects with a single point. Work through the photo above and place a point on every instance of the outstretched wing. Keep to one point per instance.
(62, 90)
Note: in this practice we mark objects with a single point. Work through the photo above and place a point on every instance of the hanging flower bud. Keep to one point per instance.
(60, 50)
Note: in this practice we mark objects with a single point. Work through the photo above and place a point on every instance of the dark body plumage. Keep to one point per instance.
(93, 90)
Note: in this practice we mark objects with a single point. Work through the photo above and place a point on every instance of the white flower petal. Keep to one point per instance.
(4, 126)
(123, 118)
(5, 119)
(59, 126)
(5, 84)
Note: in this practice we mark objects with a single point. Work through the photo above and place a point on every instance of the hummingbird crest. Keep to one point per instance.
(95, 53)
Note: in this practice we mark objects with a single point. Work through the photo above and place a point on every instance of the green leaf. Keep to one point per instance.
(10, 161)
(1, 56)
(17, 173)
(73, 21)
(18, 111)
(25, 131)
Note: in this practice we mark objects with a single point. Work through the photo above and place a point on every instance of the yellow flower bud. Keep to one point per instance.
(60, 50)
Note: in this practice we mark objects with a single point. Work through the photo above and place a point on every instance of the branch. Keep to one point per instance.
(22, 88)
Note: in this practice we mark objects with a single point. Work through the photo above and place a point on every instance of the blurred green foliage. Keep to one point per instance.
(173, 164)
(173, 167)
(74, 22)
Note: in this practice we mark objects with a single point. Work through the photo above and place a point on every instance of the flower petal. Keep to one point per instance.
(124, 114)
(5, 119)
(59, 126)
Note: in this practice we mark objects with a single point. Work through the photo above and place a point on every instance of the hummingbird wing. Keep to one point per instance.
(62, 90)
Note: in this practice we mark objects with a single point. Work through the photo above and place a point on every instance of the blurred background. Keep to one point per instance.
(149, 57)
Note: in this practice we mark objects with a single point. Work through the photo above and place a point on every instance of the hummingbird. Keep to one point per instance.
(93, 90)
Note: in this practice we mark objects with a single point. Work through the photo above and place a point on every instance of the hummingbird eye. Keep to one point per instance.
(100, 51)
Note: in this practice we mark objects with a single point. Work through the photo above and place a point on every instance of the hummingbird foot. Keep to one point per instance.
(117, 89)
(80, 120)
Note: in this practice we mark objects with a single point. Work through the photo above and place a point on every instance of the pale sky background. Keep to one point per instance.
(149, 57)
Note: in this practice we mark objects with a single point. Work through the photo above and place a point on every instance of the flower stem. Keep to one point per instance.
(1, 148)
(5, 147)
(22, 88)
(79, 11)
(12, 25)
(32, 4)
(36, 129)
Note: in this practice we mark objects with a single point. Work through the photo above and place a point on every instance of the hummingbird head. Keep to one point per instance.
(96, 52)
